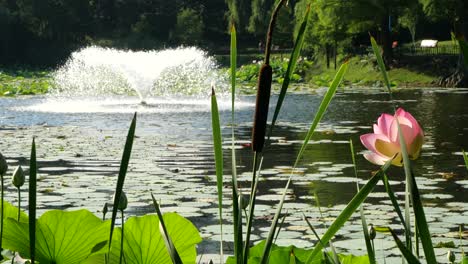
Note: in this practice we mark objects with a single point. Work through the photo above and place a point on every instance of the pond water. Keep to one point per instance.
(80, 143)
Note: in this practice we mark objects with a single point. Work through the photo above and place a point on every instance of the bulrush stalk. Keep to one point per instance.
(264, 89)
(259, 126)
(261, 107)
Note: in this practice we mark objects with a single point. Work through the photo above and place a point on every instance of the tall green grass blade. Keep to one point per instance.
(233, 59)
(407, 254)
(318, 116)
(408, 176)
(291, 67)
(167, 239)
(218, 153)
(404, 153)
(367, 239)
(313, 231)
(122, 173)
(357, 200)
(393, 199)
(32, 201)
(280, 226)
(380, 62)
(236, 211)
(253, 195)
(421, 223)
(465, 158)
(322, 108)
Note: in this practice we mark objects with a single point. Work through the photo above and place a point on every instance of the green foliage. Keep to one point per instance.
(24, 82)
(292, 254)
(248, 73)
(62, 237)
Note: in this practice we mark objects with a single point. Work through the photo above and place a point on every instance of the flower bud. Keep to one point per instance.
(372, 232)
(123, 202)
(243, 201)
(451, 256)
(18, 177)
(3, 165)
(105, 209)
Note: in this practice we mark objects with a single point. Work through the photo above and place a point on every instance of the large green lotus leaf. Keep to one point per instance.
(143, 243)
(10, 211)
(10, 215)
(278, 255)
(351, 259)
(66, 237)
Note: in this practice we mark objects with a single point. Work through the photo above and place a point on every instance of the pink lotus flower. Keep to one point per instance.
(384, 143)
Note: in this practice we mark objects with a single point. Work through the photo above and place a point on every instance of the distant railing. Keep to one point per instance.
(424, 51)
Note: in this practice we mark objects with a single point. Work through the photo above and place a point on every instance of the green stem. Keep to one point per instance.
(122, 237)
(407, 213)
(18, 218)
(251, 206)
(1, 220)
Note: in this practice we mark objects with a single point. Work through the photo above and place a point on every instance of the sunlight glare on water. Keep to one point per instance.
(126, 104)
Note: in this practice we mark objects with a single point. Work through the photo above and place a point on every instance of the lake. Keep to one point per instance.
(80, 143)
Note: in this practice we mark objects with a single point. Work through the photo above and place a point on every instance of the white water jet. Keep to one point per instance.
(95, 71)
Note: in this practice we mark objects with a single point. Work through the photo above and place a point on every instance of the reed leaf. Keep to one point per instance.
(233, 59)
(236, 211)
(291, 67)
(167, 240)
(404, 151)
(122, 173)
(380, 62)
(367, 239)
(318, 116)
(357, 200)
(421, 222)
(32, 201)
(393, 200)
(218, 155)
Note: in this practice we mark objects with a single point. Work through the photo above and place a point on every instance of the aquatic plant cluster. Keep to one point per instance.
(81, 237)
(24, 82)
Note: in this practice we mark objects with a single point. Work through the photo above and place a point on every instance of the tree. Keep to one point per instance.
(410, 17)
(260, 17)
(456, 11)
(239, 12)
(328, 26)
(189, 27)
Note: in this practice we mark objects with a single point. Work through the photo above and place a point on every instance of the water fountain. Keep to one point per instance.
(94, 71)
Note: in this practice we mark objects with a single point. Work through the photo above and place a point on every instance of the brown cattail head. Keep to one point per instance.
(261, 107)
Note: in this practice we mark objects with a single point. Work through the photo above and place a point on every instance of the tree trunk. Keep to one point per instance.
(335, 51)
(386, 39)
(459, 78)
(327, 52)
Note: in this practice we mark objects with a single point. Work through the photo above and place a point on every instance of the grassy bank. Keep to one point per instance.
(363, 71)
